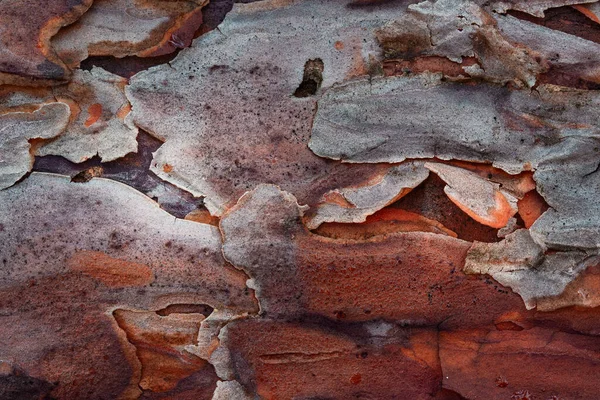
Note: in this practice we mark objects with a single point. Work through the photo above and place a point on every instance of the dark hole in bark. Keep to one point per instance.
(312, 78)
(203, 309)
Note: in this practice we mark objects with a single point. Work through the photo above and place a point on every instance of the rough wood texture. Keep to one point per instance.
(299, 199)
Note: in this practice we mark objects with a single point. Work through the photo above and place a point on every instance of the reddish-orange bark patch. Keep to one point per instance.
(159, 345)
(94, 112)
(412, 272)
(285, 361)
(202, 216)
(123, 111)
(337, 198)
(498, 365)
(582, 8)
(497, 216)
(531, 207)
(112, 272)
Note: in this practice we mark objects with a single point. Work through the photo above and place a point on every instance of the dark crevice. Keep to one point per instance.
(203, 309)
(132, 170)
(312, 78)
(557, 76)
(126, 66)
(17, 385)
(429, 200)
(359, 331)
(565, 19)
(440, 392)
(447, 394)
(379, 3)
(213, 14)
(520, 222)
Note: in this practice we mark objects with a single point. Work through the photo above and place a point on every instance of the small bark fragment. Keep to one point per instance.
(355, 204)
(122, 28)
(100, 120)
(517, 252)
(582, 291)
(17, 129)
(481, 199)
(518, 185)
(457, 30)
(519, 263)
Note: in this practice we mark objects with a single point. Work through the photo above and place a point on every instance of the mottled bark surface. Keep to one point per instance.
(299, 199)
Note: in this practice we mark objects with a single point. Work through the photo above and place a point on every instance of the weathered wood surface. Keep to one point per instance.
(299, 199)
